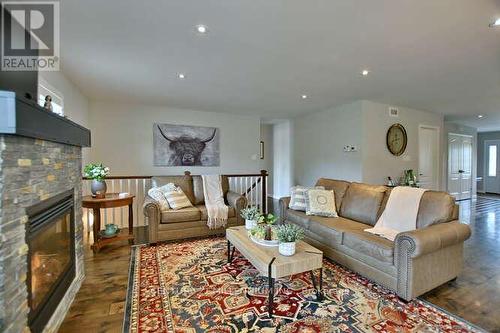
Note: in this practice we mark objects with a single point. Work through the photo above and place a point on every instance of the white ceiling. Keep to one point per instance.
(260, 56)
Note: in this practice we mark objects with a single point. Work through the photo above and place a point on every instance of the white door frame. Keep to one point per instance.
(473, 195)
(486, 162)
(438, 167)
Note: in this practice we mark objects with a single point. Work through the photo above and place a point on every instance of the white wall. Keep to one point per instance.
(123, 138)
(378, 162)
(283, 158)
(266, 136)
(320, 138)
(319, 141)
(76, 105)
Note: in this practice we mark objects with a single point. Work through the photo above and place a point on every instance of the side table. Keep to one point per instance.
(111, 200)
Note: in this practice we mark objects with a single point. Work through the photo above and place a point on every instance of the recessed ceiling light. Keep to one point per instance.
(480, 116)
(181, 76)
(304, 96)
(495, 24)
(202, 29)
(365, 72)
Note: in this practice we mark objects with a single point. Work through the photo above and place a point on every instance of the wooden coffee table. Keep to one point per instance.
(273, 265)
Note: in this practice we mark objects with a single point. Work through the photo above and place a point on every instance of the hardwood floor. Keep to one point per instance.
(474, 296)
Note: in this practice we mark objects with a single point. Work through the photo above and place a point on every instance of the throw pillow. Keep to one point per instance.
(158, 196)
(176, 198)
(298, 197)
(321, 203)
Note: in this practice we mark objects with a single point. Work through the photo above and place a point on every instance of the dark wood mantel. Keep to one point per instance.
(25, 118)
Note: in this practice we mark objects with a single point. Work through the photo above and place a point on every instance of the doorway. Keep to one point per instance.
(491, 166)
(428, 157)
(460, 166)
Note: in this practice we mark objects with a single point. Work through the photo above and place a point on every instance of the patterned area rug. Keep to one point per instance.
(189, 287)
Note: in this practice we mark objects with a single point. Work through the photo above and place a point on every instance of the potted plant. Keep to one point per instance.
(251, 216)
(97, 172)
(288, 235)
(268, 221)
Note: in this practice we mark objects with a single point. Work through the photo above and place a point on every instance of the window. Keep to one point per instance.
(45, 89)
(492, 162)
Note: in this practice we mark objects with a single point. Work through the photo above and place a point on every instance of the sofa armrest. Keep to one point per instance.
(237, 201)
(419, 242)
(284, 203)
(152, 212)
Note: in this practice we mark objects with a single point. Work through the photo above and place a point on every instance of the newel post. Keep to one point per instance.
(264, 174)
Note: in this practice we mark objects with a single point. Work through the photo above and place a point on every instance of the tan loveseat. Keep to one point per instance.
(416, 262)
(191, 221)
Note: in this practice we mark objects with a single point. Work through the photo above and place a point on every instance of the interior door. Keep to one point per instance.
(466, 169)
(460, 166)
(492, 166)
(454, 161)
(428, 157)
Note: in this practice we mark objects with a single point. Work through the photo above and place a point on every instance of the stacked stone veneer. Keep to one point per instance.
(31, 171)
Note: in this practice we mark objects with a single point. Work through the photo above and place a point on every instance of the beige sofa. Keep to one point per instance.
(416, 262)
(192, 221)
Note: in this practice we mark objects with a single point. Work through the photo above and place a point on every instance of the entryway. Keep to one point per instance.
(428, 157)
(491, 165)
(460, 166)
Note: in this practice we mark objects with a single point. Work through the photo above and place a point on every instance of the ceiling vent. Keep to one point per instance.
(393, 112)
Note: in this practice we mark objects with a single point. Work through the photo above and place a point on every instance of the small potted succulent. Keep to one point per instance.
(288, 235)
(268, 221)
(251, 216)
(97, 172)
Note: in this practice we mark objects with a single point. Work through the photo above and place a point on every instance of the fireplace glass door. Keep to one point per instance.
(50, 256)
(50, 235)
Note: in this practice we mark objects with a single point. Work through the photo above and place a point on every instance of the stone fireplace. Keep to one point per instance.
(41, 249)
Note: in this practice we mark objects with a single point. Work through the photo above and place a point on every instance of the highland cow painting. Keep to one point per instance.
(179, 145)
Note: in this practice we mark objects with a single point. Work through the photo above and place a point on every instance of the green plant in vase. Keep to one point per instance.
(288, 235)
(268, 221)
(97, 172)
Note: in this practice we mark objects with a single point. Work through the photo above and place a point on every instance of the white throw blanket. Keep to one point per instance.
(400, 213)
(214, 201)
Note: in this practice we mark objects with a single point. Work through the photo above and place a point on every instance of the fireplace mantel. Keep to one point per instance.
(22, 117)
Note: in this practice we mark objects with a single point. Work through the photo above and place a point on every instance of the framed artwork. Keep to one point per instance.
(180, 145)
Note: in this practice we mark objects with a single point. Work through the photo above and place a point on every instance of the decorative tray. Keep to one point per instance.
(264, 242)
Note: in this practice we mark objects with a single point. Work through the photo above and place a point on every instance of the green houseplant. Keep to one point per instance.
(288, 235)
(251, 216)
(97, 172)
(268, 221)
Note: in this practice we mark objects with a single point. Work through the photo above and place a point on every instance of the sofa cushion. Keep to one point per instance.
(298, 197)
(198, 194)
(297, 217)
(338, 186)
(204, 214)
(329, 230)
(371, 245)
(184, 182)
(362, 202)
(321, 203)
(435, 207)
(181, 215)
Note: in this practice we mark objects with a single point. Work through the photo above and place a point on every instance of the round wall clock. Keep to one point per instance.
(396, 139)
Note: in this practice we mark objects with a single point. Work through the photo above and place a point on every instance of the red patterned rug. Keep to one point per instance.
(189, 287)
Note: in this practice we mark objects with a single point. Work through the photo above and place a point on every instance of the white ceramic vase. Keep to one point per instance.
(287, 249)
(249, 224)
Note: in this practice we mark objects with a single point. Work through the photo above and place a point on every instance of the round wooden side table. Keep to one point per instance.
(111, 200)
